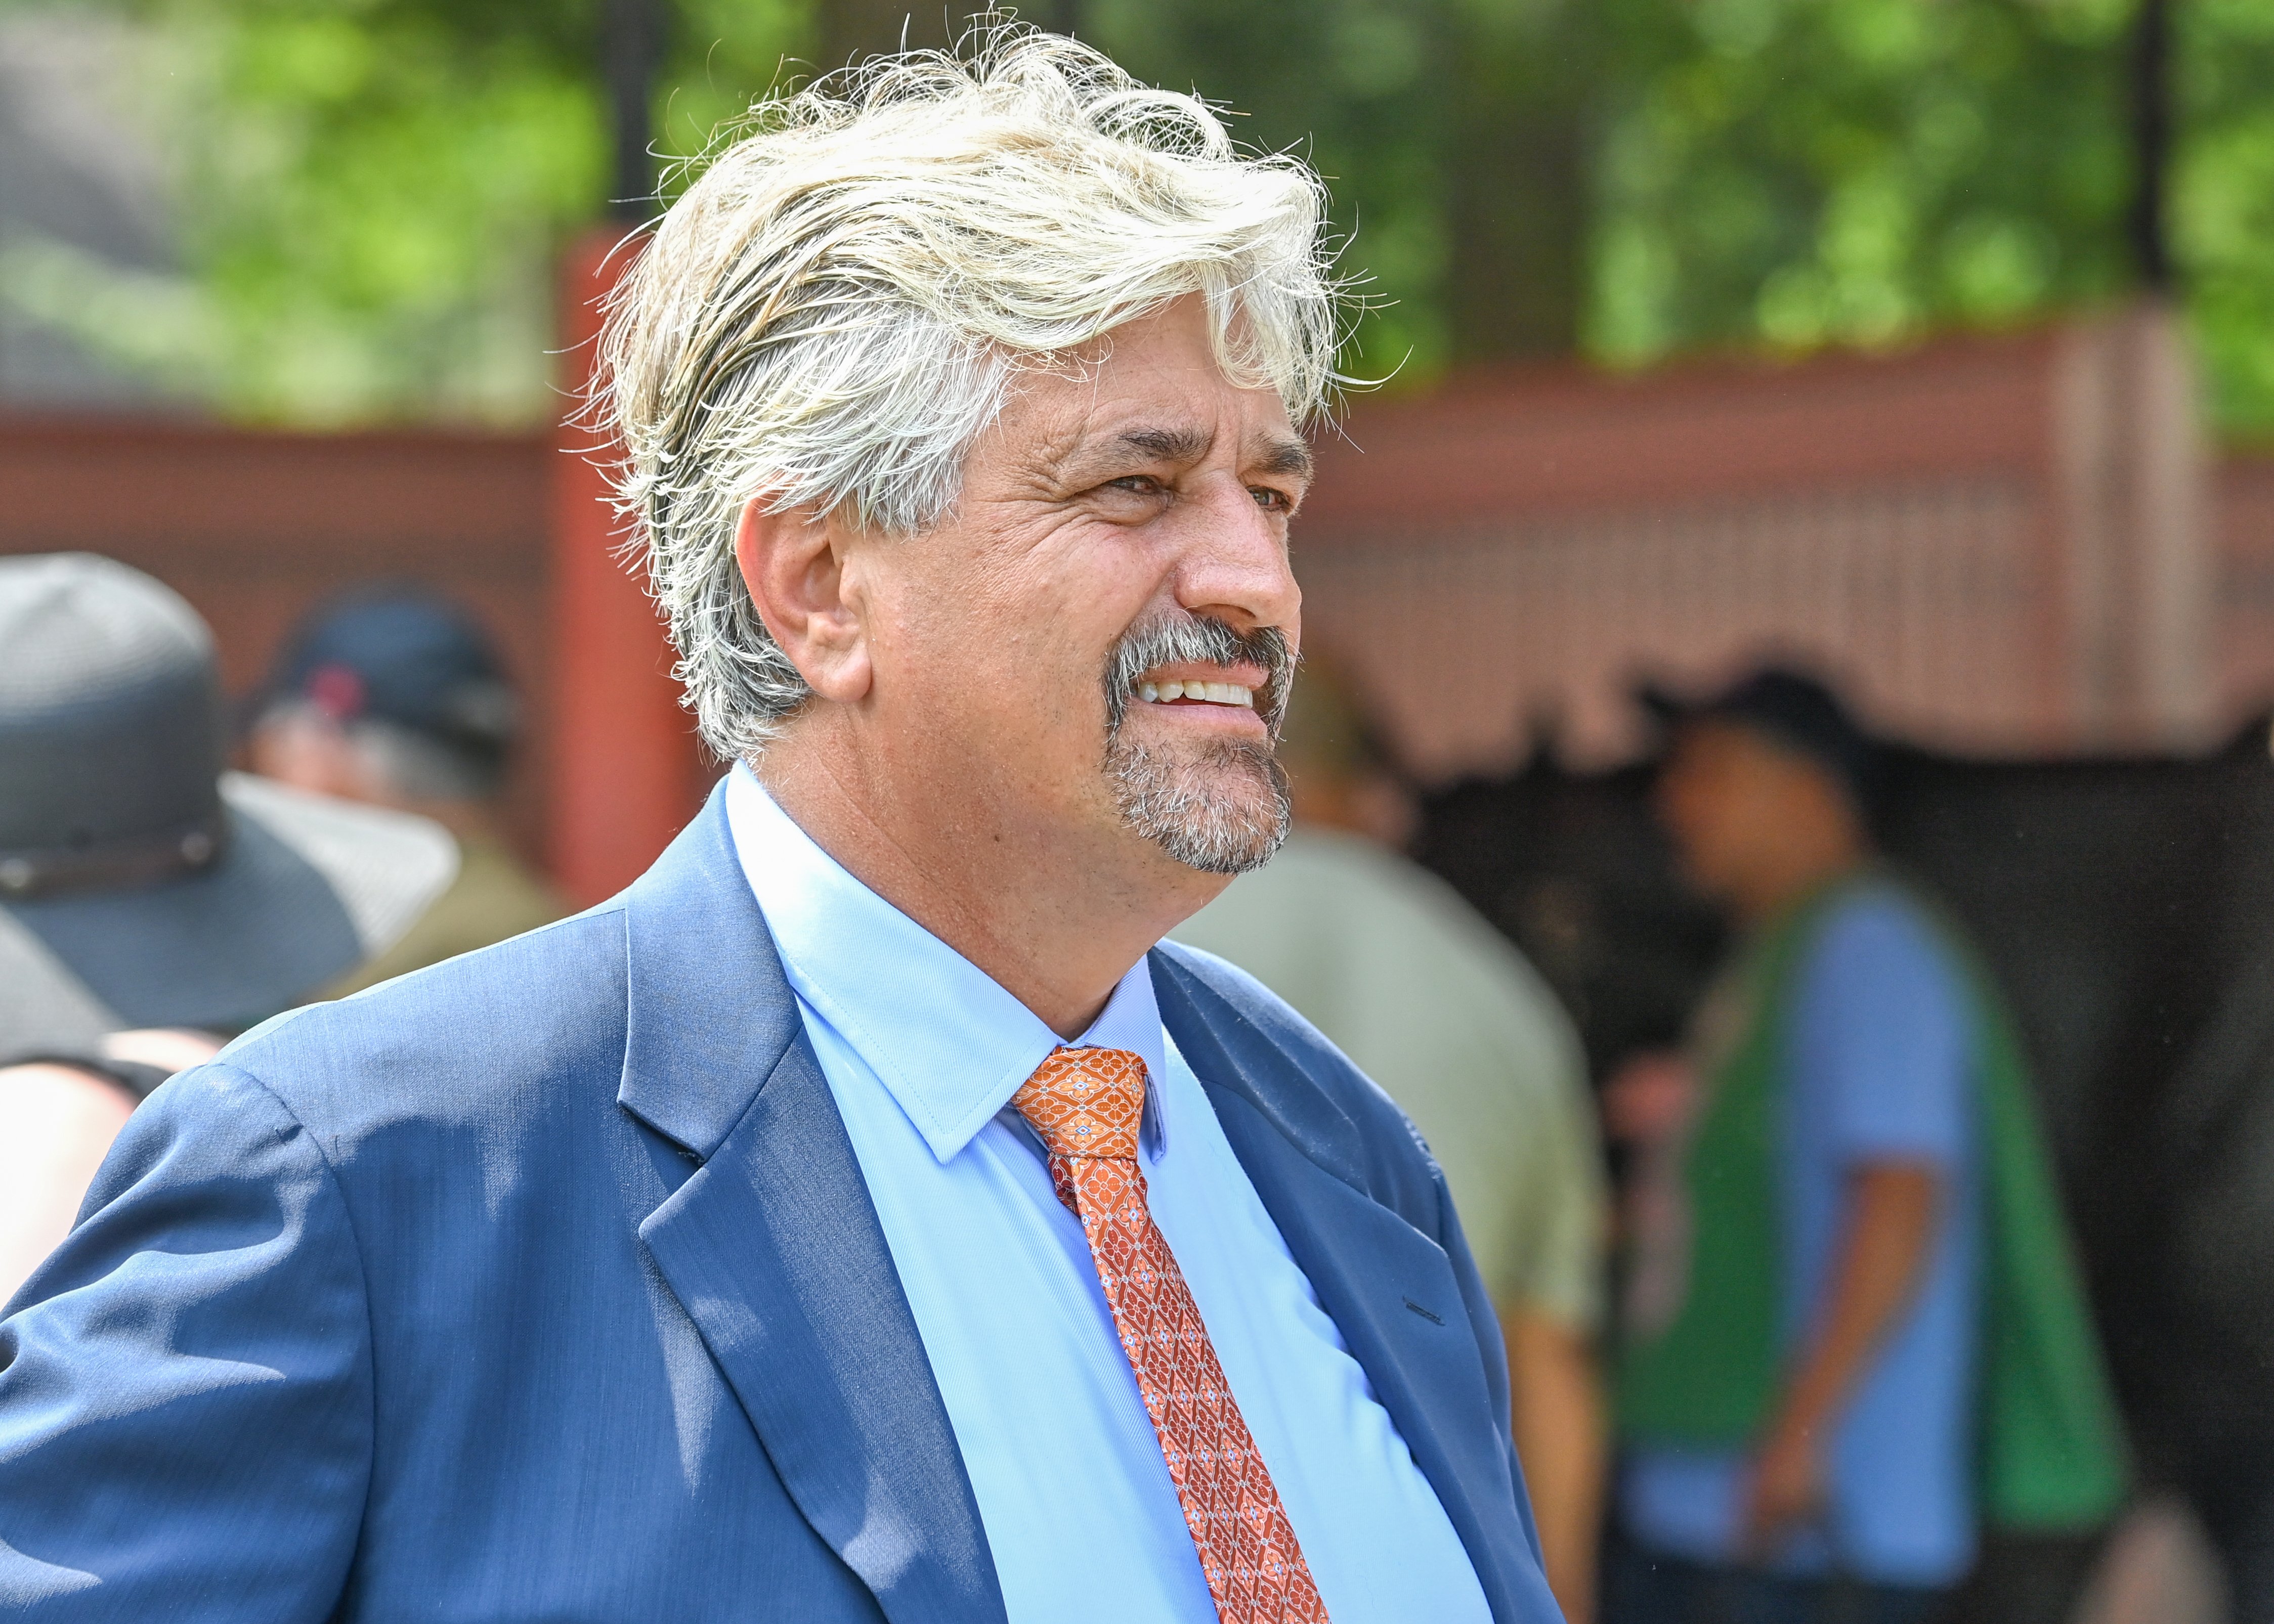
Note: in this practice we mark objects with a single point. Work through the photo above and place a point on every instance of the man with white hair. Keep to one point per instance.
(861, 1217)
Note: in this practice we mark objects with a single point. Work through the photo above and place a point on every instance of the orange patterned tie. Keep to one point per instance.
(1087, 1104)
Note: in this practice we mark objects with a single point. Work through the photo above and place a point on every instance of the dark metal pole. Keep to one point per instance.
(2151, 143)
(631, 54)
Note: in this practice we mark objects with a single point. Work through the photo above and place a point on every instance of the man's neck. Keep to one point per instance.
(1057, 920)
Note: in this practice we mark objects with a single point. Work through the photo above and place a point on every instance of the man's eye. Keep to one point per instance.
(1269, 499)
(1141, 485)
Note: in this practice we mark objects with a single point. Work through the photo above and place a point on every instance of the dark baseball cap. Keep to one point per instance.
(141, 885)
(401, 655)
(1796, 712)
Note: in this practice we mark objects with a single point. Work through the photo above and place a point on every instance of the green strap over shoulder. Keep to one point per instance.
(2052, 1450)
(1709, 1378)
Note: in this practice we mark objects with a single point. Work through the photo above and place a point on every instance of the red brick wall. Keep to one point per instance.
(2245, 506)
(1976, 536)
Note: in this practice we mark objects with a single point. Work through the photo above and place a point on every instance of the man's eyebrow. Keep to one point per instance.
(1275, 455)
(1169, 445)
(1271, 454)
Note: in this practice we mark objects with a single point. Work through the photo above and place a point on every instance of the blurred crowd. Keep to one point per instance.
(1821, 1350)
(155, 903)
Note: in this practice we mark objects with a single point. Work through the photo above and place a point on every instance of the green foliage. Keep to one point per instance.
(1452, 135)
(1804, 172)
(369, 194)
(725, 54)
(372, 195)
(2223, 204)
(1352, 86)
(373, 190)
(1855, 171)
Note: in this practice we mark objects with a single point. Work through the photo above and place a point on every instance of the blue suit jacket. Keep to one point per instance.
(543, 1285)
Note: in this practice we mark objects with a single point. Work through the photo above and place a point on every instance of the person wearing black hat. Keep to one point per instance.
(1839, 1218)
(397, 698)
(150, 903)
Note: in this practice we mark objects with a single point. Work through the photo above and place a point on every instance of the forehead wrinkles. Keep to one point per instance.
(1067, 418)
(1039, 433)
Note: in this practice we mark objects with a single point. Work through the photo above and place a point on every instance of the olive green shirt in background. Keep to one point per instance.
(493, 896)
(1441, 1009)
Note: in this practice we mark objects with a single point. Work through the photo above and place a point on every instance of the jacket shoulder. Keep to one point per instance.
(456, 1038)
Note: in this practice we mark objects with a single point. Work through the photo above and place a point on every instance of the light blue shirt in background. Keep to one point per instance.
(923, 1052)
(1880, 1054)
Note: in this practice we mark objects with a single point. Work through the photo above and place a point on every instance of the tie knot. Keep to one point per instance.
(1085, 1101)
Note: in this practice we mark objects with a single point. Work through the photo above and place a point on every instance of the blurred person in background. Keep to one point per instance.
(151, 904)
(397, 698)
(1443, 1010)
(1852, 1326)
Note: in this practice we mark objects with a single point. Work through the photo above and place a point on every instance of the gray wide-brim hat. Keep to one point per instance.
(140, 885)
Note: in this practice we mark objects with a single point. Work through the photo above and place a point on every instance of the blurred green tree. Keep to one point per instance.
(1856, 172)
(371, 193)
(368, 194)
(2222, 204)
(1456, 134)
(1804, 172)
(1637, 178)
(371, 190)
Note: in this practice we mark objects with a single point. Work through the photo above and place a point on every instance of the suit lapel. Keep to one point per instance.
(774, 1247)
(1390, 1289)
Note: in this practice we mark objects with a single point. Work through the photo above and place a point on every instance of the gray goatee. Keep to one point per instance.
(1223, 807)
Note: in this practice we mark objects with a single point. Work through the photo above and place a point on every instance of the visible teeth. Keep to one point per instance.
(1213, 693)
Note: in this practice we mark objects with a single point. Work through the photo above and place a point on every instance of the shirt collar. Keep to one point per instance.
(948, 1043)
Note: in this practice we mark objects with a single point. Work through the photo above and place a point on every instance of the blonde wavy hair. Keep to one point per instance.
(832, 313)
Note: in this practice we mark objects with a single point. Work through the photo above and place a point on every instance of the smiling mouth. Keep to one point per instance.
(1231, 695)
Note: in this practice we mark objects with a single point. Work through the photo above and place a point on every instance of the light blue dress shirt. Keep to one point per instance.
(922, 1053)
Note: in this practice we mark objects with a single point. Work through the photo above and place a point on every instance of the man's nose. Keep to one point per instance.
(1233, 566)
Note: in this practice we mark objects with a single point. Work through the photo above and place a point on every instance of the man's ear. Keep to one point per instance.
(793, 563)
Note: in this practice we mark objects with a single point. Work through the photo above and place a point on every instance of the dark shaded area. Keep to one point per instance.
(1523, 86)
(2126, 906)
(633, 40)
(1576, 871)
(852, 30)
(2152, 144)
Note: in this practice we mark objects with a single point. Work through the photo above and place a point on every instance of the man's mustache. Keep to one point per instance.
(1193, 639)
